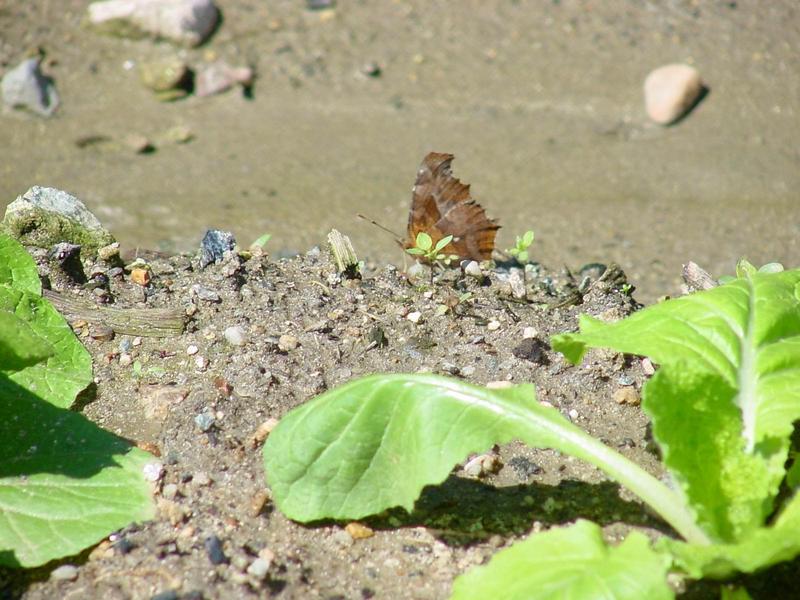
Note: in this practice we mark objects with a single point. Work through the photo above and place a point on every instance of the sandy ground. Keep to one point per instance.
(540, 102)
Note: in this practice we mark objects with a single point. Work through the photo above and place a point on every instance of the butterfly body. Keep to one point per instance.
(441, 205)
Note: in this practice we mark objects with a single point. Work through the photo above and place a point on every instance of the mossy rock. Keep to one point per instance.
(43, 217)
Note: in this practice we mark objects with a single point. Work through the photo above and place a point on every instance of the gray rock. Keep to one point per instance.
(25, 86)
(185, 22)
(44, 217)
(258, 568)
(214, 245)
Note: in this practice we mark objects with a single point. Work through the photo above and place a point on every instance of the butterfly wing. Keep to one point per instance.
(441, 205)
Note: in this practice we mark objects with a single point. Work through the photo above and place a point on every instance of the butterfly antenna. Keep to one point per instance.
(378, 225)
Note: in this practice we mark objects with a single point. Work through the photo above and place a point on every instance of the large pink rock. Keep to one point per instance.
(187, 22)
(670, 91)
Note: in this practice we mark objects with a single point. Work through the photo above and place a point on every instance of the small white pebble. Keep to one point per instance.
(258, 568)
(473, 269)
(493, 325)
(192, 350)
(201, 478)
(235, 335)
(125, 359)
(153, 471)
(201, 362)
(65, 573)
(573, 414)
(287, 343)
(137, 341)
(648, 367)
(428, 295)
(529, 332)
(414, 317)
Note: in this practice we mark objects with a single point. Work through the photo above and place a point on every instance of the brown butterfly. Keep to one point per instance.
(441, 205)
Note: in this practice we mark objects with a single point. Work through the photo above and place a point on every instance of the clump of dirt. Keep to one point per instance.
(266, 335)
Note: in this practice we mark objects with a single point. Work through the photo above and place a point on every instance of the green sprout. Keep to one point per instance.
(425, 248)
(520, 250)
(262, 240)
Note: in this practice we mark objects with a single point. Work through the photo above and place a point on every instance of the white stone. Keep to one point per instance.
(529, 333)
(493, 325)
(187, 22)
(235, 335)
(670, 91)
(414, 317)
(54, 201)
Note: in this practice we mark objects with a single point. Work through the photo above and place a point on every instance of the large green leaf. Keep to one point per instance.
(20, 346)
(64, 482)
(17, 268)
(570, 562)
(68, 368)
(376, 442)
(745, 337)
(764, 547)
(699, 428)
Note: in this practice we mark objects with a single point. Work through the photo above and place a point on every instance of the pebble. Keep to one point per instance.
(168, 78)
(169, 491)
(186, 22)
(101, 333)
(158, 400)
(65, 573)
(468, 371)
(647, 367)
(258, 502)
(627, 395)
(358, 531)
(516, 280)
(529, 332)
(26, 87)
(213, 546)
(573, 414)
(258, 568)
(205, 420)
(214, 245)
(205, 294)
(414, 317)
(235, 335)
(532, 349)
(201, 478)
(493, 325)
(626, 380)
(153, 471)
(191, 350)
(109, 253)
(219, 77)
(48, 207)
(140, 276)
(287, 343)
(125, 359)
(450, 368)
(262, 431)
(671, 91)
(473, 269)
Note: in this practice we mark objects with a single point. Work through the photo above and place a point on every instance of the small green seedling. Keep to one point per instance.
(520, 250)
(262, 240)
(425, 248)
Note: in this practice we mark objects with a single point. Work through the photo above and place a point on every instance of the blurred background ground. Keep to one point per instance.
(541, 103)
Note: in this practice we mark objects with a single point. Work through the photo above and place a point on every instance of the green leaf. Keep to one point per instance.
(376, 442)
(67, 370)
(745, 337)
(699, 429)
(17, 268)
(571, 562)
(424, 241)
(415, 251)
(764, 547)
(64, 482)
(20, 346)
(527, 238)
(443, 242)
(734, 593)
(262, 240)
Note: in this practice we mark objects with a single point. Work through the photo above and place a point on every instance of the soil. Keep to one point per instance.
(152, 391)
(541, 104)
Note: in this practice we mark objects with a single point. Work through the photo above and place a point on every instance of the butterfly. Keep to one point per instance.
(441, 205)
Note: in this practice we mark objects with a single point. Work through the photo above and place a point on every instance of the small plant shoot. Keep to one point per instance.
(430, 252)
(722, 404)
(520, 250)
